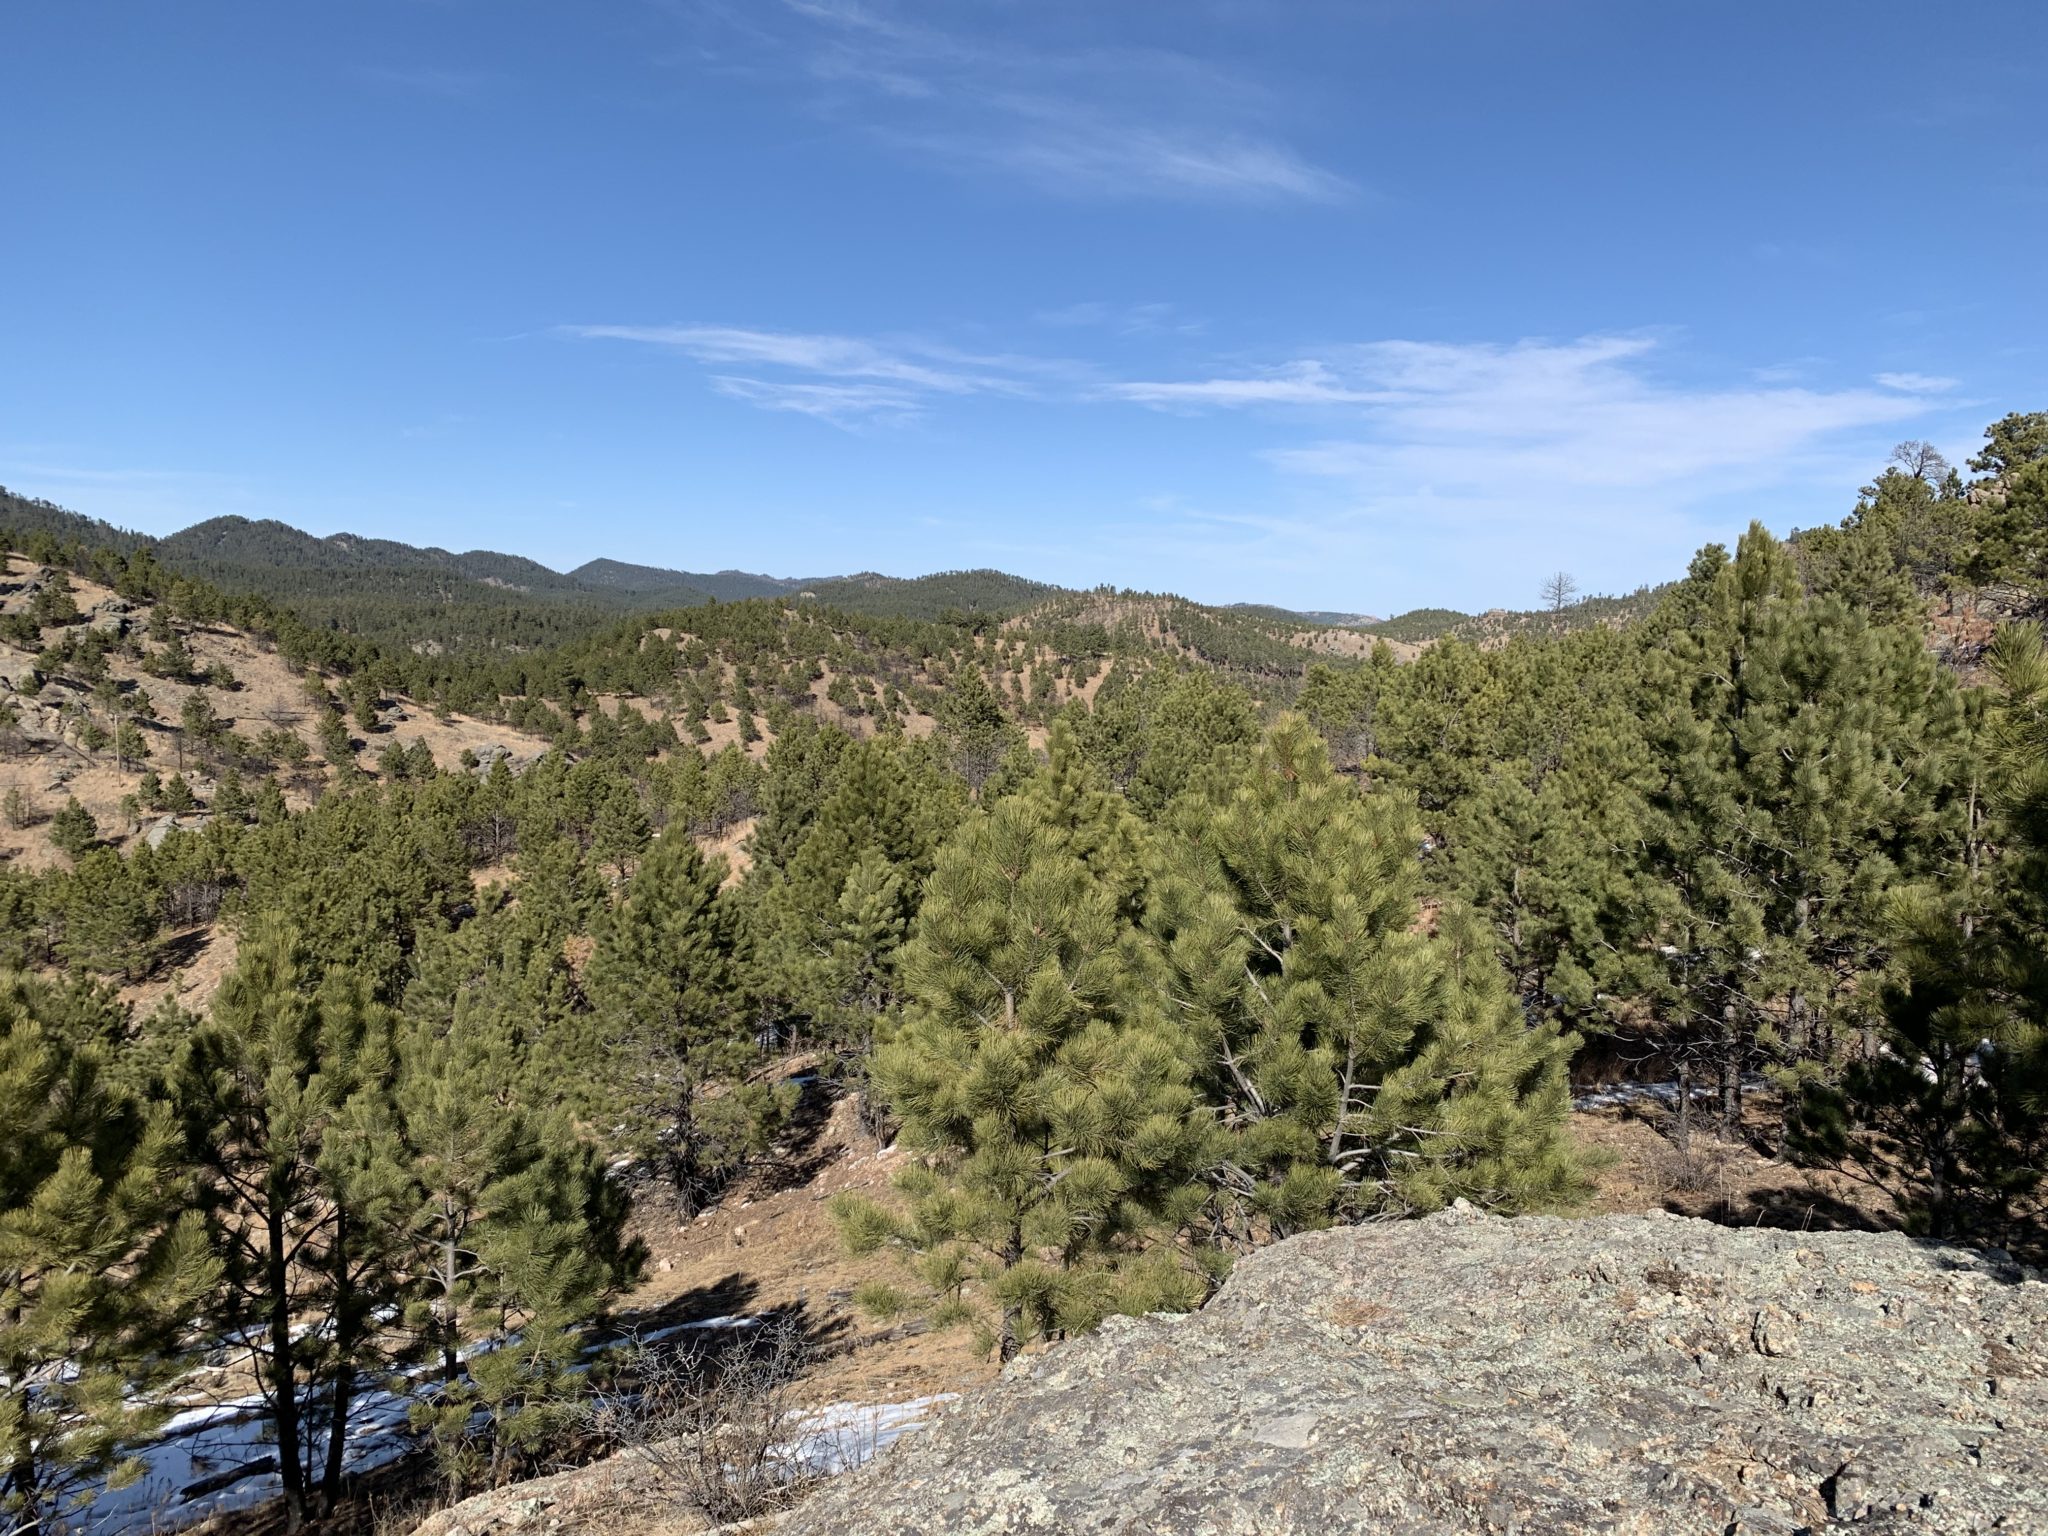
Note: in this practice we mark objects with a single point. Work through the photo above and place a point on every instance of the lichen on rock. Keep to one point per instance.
(1467, 1373)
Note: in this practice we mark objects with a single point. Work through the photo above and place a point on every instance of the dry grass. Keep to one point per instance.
(269, 695)
(1638, 1168)
(199, 960)
(770, 1244)
(731, 845)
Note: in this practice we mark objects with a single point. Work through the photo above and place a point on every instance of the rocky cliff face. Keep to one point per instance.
(1469, 1373)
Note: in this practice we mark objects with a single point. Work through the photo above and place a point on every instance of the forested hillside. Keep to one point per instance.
(726, 586)
(402, 596)
(1147, 932)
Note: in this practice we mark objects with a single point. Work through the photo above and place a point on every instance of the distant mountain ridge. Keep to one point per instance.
(380, 587)
(1325, 617)
(726, 586)
(229, 546)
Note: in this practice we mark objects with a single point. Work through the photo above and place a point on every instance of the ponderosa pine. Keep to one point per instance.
(1049, 1100)
(664, 982)
(1360, 1065)
(102, 1260)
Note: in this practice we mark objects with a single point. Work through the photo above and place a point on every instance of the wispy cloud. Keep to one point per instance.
(1067, 149)
(848, 381)
(840, 404)
(1578, 452)
(1431, 415)
(847, 357)
(1307, 382)
(1080, 122)
(1917, 383)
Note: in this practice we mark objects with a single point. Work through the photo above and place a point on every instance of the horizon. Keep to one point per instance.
(1250, 313)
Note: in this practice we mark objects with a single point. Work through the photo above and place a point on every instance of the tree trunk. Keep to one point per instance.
(451, 1359)
(1684, 1137)
(21, 1488)
(1343, 1102)
(348, 1329)
(1006, 1343)
(683, 1170)
(284, 1383)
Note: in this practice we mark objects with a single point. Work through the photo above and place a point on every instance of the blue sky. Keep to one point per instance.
(1365, 304)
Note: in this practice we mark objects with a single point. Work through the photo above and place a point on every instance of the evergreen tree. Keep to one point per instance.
(976, 731)
(297, 1181)
(109, 917)
(665, 986)
(173, 661)
(100, 1262)
(1051, 1102)
(1089, 820)
(131, 746)
(1548, 844)
(821, 943)
(509, 1235)
(1810, 761)
(1155, 738)
(1361, 1067)
(1948, 1113)
(801, 773)
(336, 745)
(178, 798)
(73, 829)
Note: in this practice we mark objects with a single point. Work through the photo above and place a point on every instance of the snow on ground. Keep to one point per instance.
(675, 1330)
(215, 1458)
(209, 1460)
(1620, 1095)
(841, 1436)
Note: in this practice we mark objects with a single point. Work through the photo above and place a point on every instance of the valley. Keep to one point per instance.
(525, 1043)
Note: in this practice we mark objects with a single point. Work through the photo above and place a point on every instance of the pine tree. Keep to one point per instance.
(509, 1237)
(297, 1181)
(1155, 738)
(823, 949)
(109, 917)
(1547, 846)
(619, 830)
(178, 798)
(1059, 1131)
(866, 937)
(1089, 820)
(131, 746)
(1948, 1114)
(976, 731)
(73, 829)
(1361, 1066)
(665, 986)
(173, 660)
(802, 770)
(100, 1262)
(1810, 762)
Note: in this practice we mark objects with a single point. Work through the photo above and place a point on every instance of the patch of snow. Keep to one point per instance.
(1619, 1095)
(722, 1321)
(841, 1436)
(219, 1457)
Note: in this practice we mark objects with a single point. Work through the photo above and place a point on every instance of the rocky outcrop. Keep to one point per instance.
(1468, 1373)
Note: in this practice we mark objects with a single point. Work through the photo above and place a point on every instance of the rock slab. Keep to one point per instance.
(1468, 1373)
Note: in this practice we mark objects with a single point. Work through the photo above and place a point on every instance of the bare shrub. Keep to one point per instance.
(718, 1421)
(1700, 1167)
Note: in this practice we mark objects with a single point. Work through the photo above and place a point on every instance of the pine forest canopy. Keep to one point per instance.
(1153, 932)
